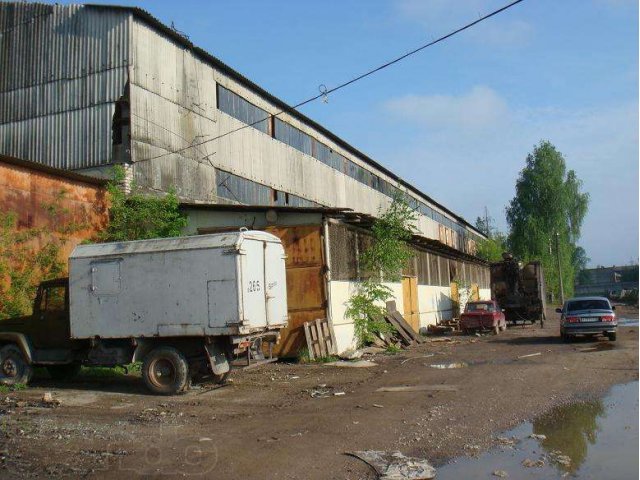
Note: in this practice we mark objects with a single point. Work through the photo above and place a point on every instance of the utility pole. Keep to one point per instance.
(486, 220)
(559, 267)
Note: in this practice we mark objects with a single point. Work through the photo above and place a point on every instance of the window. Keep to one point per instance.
(591, 304)
(240, 109)
(53, 299)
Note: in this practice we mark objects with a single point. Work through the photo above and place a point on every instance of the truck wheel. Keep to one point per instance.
(14, 368)
(165, 371)
(64, 372)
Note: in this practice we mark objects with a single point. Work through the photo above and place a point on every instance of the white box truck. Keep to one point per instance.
(182, 306)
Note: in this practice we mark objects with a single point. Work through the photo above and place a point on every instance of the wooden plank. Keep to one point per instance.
(410, 331)
(407, 339)
(323, 349)
(307, 334)
(419, 388)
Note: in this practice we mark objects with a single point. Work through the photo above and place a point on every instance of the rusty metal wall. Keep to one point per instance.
(306, 296)
(62, 68)
(27, 192)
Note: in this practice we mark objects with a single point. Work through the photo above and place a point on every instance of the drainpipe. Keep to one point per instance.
(327, 272)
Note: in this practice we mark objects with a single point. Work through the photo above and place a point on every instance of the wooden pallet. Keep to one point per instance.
(321, 340)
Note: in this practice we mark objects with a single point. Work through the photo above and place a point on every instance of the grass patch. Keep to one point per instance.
(110, 372)
(392, 350)
(12, 388)
(304, 357)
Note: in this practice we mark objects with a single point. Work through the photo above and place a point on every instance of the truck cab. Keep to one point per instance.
(40, 338)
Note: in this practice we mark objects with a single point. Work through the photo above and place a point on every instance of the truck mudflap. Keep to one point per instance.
(217, 359)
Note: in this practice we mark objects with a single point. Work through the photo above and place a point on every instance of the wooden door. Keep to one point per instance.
(475, 292)
(410, 301)
(306, 296)
(455, 300)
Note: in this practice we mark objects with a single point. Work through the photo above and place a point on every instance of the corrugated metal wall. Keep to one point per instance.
(62, 70)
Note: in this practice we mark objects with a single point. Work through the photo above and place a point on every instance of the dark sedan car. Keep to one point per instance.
(587, 316)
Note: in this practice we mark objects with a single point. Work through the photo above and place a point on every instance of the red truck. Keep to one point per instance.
(483, 315)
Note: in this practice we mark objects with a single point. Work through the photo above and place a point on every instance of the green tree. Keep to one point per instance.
(381, 262)
(492, 248)
(549, 202)
(137, 216)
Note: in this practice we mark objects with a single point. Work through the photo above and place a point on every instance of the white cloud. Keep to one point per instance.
(440, 16)
(466, 150)
(479, 109)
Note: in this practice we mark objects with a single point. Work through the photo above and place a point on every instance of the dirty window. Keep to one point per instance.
(342, 251)
(239, 108)
(480, 307)
(53, 299)
(422, 259)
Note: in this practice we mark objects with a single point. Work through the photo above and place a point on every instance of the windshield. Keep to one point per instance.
(480, 307)
(575, 305)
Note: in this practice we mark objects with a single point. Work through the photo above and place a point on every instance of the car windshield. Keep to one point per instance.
(586, 304)
(480, 307)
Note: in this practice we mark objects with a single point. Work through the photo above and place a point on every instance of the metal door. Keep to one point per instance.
(410, 301)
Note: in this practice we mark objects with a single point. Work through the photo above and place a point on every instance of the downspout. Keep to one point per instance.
(327, 270)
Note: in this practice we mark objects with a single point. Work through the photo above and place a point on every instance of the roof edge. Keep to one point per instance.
(206, 56)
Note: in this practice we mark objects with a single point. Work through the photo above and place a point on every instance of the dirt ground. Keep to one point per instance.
(267, 424)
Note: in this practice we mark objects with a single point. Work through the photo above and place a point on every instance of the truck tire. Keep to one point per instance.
(165, 371)
(64, 372)
(14, 368)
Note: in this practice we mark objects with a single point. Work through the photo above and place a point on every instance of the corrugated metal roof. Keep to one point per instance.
(217, 63)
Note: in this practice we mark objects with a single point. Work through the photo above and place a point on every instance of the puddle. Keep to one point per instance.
(584, 440)
(627, 322)
(449, 365)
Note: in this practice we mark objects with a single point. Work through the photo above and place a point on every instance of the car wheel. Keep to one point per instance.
(612, 336)
(564, 337)
(503, 327)
(14, 367)
(64, 372)
(165, 371)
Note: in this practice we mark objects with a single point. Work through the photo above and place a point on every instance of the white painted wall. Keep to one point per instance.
(434, 304)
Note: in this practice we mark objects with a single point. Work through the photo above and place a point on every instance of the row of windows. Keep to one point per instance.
(242, 190)
(260, 119)
(346, 244)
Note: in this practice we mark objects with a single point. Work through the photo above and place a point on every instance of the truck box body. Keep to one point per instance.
(223, 284)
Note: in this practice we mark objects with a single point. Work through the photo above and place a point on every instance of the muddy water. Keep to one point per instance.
(586, 440)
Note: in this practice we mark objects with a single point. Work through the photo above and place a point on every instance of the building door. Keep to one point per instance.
(306, 296)
(410, 301)
(475, 292)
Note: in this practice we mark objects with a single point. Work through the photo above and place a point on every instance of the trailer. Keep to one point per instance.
(519, 289)
(182, 306)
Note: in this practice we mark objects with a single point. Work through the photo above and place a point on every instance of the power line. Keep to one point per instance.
(324, 92)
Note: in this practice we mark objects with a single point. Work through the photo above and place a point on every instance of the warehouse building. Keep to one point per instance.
(85, 87)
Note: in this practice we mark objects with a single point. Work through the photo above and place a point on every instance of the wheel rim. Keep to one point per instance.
(10, 368)
(162, 372)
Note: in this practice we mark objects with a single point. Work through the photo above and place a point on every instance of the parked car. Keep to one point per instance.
(587, 316)
(483, 315)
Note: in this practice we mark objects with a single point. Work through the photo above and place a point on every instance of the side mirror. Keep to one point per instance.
(558, 310)
(613, 308)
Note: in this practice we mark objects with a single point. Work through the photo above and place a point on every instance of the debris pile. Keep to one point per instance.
(394, 465)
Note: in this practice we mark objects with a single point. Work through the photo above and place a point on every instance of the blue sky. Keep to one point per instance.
(458, 119)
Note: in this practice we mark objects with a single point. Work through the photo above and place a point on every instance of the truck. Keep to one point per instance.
(183, 307)
(519, 289)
